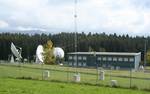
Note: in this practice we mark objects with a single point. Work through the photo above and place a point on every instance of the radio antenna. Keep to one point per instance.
(75, 30)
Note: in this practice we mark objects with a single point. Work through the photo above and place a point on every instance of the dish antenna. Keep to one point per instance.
(39, 54)
(58, 52)
(59, 55)
(16, 52)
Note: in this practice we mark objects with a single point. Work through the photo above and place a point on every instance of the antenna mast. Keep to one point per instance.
(145, 53)
(75, 23)
(75, 30)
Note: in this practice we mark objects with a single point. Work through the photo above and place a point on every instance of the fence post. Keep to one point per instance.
(130, 76)
(68, 72)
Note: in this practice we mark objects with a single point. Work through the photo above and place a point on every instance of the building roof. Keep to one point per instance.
(106, 53)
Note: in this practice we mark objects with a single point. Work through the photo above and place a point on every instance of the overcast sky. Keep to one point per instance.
(110, 16)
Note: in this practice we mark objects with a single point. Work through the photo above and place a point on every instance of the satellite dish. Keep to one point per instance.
(58, 52)
(15, 51)
(39, 54)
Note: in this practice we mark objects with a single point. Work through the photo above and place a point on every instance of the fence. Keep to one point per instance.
(97, 76)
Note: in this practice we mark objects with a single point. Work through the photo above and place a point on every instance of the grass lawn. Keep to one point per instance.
(140, 80)
(20, 86)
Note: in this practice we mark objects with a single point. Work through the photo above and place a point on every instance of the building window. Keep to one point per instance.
(75, 64)
(117, 67)
(112, 67)
(79, 58)
(84, 58)
(109, 66)
(70, 63)
(125, 59)
(109, 58)
(104, 58)
(75, 57)
(131, 59)
(120, 59)
(114, 58)
(84, 64)
(103, 65)
(70, 57)
(79, 64)
(99, 58)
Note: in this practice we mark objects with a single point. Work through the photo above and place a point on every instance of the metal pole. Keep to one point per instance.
(19, 60)
(110, 73)
(19, 64)
(130, 76)
(145, 56)
(97, 74)
(68, 72)
(96, 67)
(75, 30)
(42, 70)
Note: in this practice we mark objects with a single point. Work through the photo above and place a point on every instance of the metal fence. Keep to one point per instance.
(94, 76)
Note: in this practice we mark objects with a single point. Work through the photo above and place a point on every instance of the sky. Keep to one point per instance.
(53, 16)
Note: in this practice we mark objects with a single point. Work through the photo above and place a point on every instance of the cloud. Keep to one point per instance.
(38, 13)
(3, 24)
(121, 17)
(21, 28)
(110, 16)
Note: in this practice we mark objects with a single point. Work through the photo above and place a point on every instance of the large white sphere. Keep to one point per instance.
(58, 52)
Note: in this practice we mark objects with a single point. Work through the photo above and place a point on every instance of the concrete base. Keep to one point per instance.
(77, 78)
(113, 83)
(46, 74)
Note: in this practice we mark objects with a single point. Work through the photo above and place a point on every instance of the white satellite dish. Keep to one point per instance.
(15, 51)
(58, 52)
(39, 54)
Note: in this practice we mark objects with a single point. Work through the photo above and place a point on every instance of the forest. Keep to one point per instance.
(85, 42)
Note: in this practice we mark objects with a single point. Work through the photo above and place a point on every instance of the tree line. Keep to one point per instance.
(85, 42)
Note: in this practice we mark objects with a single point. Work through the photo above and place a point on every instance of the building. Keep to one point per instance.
(115, 60)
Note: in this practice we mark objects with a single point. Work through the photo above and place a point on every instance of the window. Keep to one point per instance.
(70, 63)
(103, 65)
(126, 59)
(131, 59)
(84, 58)
(70, 57)
(112, 67)
(75, 57)
(109, 58)
(99, 58)
(117, 67)
(79, 64)
(84, 64)
(79, 58)
(109, 66)
(114, 58)
(120, 59)
(75, 64)
(104, 58)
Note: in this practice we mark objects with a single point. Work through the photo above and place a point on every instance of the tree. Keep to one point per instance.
(102, 49)
(148, 57)
(85, 43)
(90, 49)
(48, 53)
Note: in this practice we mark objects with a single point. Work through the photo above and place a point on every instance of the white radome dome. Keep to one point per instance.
(58, 52)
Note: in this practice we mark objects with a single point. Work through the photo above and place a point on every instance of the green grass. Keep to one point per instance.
(18, 86)
(65, 74)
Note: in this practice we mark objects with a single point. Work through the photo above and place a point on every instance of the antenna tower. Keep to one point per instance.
(75, 30)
